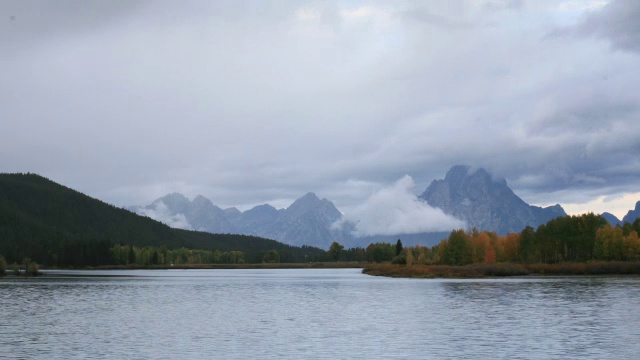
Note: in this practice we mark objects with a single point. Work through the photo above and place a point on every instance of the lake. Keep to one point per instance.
(315, 314)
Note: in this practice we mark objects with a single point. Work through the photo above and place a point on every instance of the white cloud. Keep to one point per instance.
(618, 205)
(259, 102)
(161, 213)
(396, 210)
(583, 5)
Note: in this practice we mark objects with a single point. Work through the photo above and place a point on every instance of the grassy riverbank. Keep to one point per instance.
(502, 269)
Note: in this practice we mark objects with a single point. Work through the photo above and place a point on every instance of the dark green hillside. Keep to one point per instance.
(254, 247)
(55, 225)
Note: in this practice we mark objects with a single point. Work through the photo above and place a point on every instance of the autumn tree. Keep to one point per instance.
(631, 245)
(510, 244)
(609, 243)
(456, 250)
(335, 250)
(490, 255)
(479, 242)
(409, 257)
(424, 254)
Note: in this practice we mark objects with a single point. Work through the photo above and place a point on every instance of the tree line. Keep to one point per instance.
(129, 254)
(55, 226)
(579, 238)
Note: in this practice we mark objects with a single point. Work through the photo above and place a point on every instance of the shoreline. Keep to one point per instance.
(403, 271)
(313, 265)
(503, 270)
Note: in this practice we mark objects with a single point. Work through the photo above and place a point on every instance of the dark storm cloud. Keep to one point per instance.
(25, 22)
(255, 102)
(618, 23)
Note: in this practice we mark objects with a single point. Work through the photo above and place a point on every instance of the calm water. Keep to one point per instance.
(315, 314)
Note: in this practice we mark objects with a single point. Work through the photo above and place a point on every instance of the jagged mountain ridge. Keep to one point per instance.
(611, 219)
(472, 196)
(308, 221)
(632, 215)
(484, 202)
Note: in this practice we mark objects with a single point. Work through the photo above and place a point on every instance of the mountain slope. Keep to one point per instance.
(611, 219)
(476, 198)
(305, 222)
(485, 203)
(632, 215)
(56, 225)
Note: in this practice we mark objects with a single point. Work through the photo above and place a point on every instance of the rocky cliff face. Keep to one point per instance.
(485, 203)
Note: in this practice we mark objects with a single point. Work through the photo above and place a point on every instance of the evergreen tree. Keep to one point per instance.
(398, 247)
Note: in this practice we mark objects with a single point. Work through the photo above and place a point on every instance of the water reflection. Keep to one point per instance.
(315, 313)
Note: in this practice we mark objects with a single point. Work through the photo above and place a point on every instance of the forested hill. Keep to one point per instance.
(55, 225)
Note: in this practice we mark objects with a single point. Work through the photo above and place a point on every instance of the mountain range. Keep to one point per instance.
(308, 221)
(471, 195)
(631, 216)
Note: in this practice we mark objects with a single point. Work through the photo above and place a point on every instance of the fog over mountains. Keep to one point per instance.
(465, 198)
(308, 221)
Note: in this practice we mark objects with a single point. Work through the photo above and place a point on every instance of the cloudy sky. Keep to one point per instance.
(252, 102)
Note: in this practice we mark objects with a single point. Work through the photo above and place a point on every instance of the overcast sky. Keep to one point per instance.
(252, 102)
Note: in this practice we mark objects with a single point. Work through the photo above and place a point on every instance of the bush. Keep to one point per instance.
(272, 256)
(34, 269)
(399, 260)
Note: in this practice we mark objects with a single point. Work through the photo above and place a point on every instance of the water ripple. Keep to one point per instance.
(315, 314)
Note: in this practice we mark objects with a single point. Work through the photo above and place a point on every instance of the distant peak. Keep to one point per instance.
(201, 199)
(457, 171)
(309, 201)
(175, 195)
(174, 198)
(310, 195)
(175, 202)
(308, 198)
